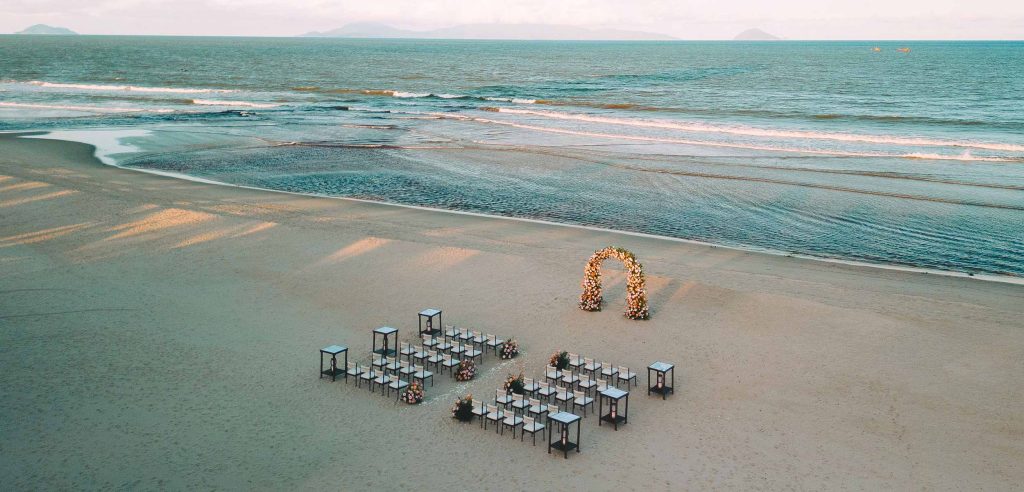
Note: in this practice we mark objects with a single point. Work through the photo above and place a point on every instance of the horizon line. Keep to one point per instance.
(412, 38)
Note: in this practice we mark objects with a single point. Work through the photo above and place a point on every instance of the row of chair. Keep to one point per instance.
(586, 365)
(526, 416)
(388, 373)
(393, 373)
(475, 337)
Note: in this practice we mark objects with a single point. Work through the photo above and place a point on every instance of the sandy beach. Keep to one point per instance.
(159, 333)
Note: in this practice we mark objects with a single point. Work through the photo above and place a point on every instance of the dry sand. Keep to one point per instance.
(157, 333)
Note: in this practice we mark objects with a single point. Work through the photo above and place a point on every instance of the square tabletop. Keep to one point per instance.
(565, 417)
(334, 349)
(661, 366)
(614, 393)
(385, 330)
(430, 312)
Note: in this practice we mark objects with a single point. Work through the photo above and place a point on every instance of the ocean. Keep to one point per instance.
(824, 149)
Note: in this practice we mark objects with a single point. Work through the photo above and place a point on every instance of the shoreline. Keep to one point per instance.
(1009, 279)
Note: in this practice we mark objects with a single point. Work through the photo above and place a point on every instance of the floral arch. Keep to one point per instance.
(636, 293)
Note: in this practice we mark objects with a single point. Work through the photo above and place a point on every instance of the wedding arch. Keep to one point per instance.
(636, 293)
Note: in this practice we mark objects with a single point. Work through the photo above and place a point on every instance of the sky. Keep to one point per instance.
(684, 19)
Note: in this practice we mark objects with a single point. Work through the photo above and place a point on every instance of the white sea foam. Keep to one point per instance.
(409, 94)
(705, 143)
(244, 104)
(695, 127)
(86, 109)
(132, 88)
(108, 143)
(514, 100)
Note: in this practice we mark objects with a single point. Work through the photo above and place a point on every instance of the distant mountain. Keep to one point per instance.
(489, 31)
(45, 29)
(756, 35)
(363, 30)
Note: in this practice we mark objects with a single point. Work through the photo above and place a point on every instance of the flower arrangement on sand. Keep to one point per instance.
(510, 349)
(414, 393)
(463, 408)
(636, 293)
(514, 384)
(465, 370)
(559, 360)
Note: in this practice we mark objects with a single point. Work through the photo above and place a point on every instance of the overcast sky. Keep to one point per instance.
(686, 19)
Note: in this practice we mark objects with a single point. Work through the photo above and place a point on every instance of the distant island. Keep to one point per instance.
(756, 35)
(489, 31)
(45, 29)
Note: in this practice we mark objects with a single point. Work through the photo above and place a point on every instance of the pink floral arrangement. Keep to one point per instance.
(515, 384)
(414, 393)
(510, 349)
(465, 370)
(463, 408)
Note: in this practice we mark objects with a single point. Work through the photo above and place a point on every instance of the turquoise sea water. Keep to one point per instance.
(828, 149)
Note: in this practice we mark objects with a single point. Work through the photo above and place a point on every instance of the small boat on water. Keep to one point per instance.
(903, 50)
(876, 49)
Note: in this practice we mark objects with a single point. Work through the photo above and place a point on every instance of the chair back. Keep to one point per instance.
(606, 366)
(432, 353)
(426, 338)
(405, 364)
(584, 379)
(492, 409)
(552, 409)
(589, 362)
(527, 421)
(573, 357)
(476, 334)
(534, 402)
(562, 389)
(492, 339)
(517, 397)
(623, 371)
(544, 386)
(577, 394)
(404, 346)
(550, 369)
(501, 394)
(389, 360)
(528, 382)
(602, 385)
(447, 358)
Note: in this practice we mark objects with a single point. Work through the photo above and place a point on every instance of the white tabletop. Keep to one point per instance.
(661, 366)
(565, 417)
(613, 392)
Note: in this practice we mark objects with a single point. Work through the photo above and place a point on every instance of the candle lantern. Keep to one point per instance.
(661, 383)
